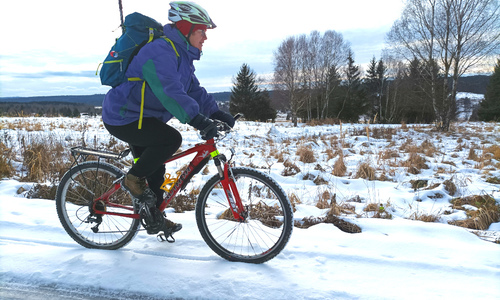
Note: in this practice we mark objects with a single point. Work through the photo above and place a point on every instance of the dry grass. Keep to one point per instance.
(41, 191)
(383, 132)
(6, 169)
(264, 213)
(306, 155)
(341, 224)
(290, 169)
(185, 202)
(450, 187)
(378, 210)
(388, 154)
(494, 151)
(415, 163)
(418, 184)
(365, 171)
(294, 200)
(427, 147)
(488, 211)
(339, 168)
(329, 121)
(430, 218)
(326, 200)
(494, 180)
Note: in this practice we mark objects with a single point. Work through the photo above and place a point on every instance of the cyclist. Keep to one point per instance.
(172, 90)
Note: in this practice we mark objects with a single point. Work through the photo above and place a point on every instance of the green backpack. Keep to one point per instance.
(138, 31)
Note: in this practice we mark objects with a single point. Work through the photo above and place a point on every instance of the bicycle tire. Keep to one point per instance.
(264, 233)
(75, 194)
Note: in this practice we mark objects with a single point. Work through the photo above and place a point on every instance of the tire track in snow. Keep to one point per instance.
(10, 240)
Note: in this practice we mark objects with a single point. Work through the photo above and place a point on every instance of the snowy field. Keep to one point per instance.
(396, 256)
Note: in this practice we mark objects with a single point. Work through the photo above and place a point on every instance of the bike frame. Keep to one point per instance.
(204, 151)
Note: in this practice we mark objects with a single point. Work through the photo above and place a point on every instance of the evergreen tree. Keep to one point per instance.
(371, 84)
(248, 99)
(489, 109)
(75, 113)
(415, 96)
(352, 102)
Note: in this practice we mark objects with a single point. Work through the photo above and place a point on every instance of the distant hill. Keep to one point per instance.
(471, 84)
(476, 84)
(95, 100)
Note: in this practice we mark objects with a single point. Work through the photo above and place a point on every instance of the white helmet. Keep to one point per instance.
(191, 12)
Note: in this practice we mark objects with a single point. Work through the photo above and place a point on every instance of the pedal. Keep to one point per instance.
(163, 238)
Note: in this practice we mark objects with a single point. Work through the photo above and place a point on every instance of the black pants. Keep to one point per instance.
(154, 144)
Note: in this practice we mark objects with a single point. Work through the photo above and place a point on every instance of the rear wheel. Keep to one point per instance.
(268, 224)
(77, 211)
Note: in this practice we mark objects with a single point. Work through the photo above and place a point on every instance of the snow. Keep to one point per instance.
(467, 103)
(396, 258)
(472, 96)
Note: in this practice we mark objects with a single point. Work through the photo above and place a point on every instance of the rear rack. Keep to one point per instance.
(82, 151)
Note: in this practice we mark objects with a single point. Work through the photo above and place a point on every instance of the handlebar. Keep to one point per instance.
(223, 128)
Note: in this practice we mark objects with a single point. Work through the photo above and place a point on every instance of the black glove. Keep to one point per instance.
(207, 127)
(224, 117)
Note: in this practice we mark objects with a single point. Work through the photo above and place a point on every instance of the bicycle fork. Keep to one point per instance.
(229, 186)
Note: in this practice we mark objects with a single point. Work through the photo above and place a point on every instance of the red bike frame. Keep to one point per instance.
(204, 151)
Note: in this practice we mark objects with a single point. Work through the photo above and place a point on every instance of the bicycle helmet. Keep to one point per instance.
(191, 12)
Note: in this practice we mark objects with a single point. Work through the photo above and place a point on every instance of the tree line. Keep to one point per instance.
(46, 109)
(415, 80)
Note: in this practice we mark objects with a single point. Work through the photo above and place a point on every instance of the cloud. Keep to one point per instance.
(49, 74)
(63, 47)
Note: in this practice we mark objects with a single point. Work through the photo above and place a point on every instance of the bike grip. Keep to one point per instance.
(237, 116)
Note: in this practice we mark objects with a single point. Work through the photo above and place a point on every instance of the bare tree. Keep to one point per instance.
(287, 73)
(475, 31)
(302, 70)
(332, 54)
(395, 70)
(450, 37)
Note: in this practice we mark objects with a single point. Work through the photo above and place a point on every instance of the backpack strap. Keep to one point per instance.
(143, 89)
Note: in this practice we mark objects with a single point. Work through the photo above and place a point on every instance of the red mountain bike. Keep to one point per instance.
(242, 214)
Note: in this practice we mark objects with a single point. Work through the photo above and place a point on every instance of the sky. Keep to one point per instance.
(396, 258)
(54, 47)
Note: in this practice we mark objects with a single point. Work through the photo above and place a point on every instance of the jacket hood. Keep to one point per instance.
(181, 42)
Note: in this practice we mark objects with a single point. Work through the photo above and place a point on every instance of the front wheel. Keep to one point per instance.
(78, 209)
(268, 217)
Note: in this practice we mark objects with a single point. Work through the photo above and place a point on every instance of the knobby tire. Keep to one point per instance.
(268, 225)
(74, 202)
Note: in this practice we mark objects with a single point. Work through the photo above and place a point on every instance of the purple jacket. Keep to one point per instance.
(172, 89)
